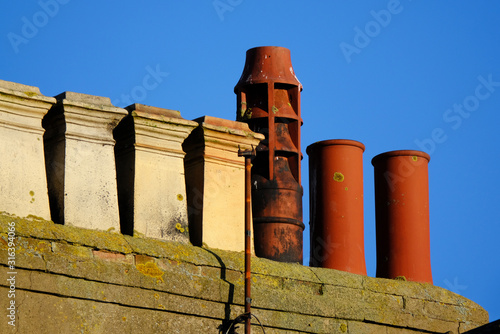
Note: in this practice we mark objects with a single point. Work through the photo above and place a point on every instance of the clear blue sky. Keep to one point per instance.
(410, 83)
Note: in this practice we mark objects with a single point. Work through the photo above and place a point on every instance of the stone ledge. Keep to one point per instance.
(286, 296)
(23, 92)
(87, 101)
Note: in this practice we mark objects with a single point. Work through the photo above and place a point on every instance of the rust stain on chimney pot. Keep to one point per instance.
(268, 99)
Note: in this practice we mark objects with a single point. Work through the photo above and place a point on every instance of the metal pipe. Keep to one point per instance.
(248, 154)
(402, 215)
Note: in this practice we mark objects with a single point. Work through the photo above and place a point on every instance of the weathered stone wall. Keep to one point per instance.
(74, 280)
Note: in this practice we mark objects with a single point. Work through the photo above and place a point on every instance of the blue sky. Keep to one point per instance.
(426, 77)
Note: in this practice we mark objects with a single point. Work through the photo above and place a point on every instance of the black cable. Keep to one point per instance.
(242, 318)
(262, 327)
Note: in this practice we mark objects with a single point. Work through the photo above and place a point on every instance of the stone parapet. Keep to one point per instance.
(150, 171)
(215, 177)
(23, 185)
(79, 149)
(71, 279)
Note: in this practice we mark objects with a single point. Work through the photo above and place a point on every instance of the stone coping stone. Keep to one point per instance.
(89, 103)
(151, 114)
(225, 125)
(14, 86)
(114, 242)
(24, 91)
(157, 113)
(84, 98)
(279, 286)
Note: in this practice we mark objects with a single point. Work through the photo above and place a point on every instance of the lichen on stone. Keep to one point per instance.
(179, 227)
(151, 269)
